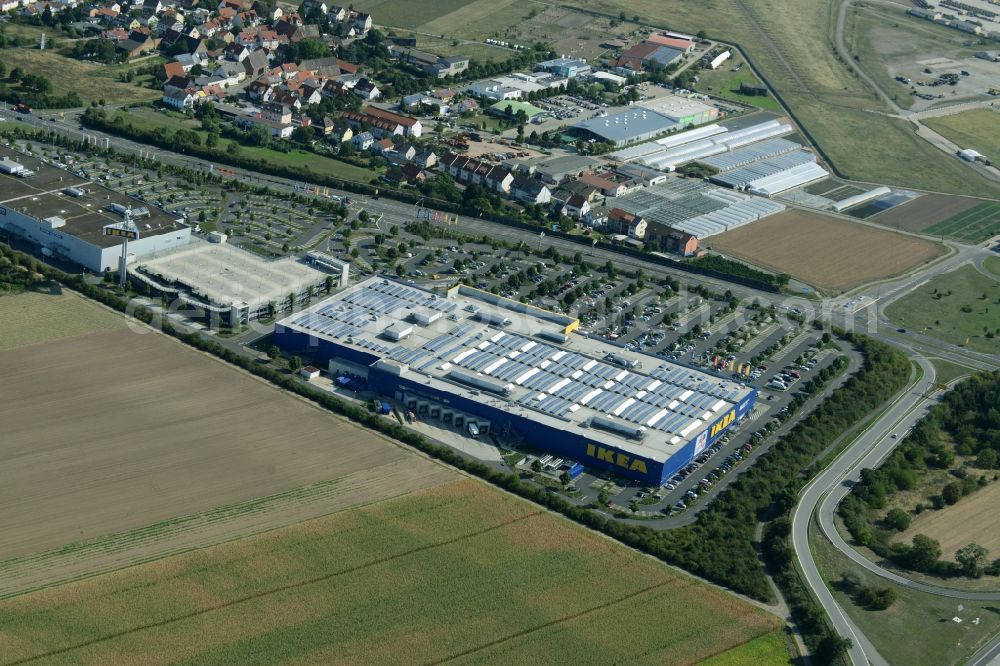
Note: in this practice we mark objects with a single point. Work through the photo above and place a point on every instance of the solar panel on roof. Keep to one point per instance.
(605, 401)
(461, 331)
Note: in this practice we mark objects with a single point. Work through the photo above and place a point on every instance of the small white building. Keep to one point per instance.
(179, 99)
(363, 141)
(309, 372)
(719, 59)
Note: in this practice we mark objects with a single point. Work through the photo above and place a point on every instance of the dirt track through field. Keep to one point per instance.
(116, 433)
(824, 251)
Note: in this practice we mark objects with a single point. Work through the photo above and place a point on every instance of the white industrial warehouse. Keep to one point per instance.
(65, 215)
(648, 119)
(680, 150)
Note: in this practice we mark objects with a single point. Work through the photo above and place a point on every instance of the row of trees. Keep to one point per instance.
(729, 267)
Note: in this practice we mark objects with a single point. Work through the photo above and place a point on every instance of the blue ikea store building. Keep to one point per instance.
(468, 357)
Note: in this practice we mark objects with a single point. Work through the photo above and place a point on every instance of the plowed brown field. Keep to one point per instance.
(127, 444)
(830, 254)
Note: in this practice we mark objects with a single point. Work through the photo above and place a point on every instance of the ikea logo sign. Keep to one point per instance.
(618, 458)
(724, 423)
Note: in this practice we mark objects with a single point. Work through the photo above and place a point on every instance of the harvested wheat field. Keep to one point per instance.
(831, 254)
(459, 573)
(974, 519)
(33, 318)
(924, 212)
(128, 444)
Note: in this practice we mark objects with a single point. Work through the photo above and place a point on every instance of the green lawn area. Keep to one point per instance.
(945, 371)
(724, 82)
(151, 119)
(768, 650)
(459, 573)
(972, 226)
(407, 13)
(992, 264)
(978, 129)
(474, 50)
(951, 307)
(323, 166)
(918, 628)
(90, 81)
(147, 118)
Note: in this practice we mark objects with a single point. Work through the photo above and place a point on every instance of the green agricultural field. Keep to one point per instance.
(34, 317)
(976, 129)
(972, 226)
(768, 650)
(90, 81)
(457, 573)
(725, 83)
(956, 307)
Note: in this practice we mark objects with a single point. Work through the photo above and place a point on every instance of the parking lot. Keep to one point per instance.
(274, 225)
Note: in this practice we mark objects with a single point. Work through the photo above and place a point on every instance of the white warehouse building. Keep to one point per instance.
(65, 215)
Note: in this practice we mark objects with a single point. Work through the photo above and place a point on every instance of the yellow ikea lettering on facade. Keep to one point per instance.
(616, 458)
(724, 423)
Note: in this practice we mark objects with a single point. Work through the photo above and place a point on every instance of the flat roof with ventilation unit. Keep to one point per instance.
(83, 204)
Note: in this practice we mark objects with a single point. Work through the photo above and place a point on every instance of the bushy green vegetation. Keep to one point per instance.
(966, 423)
(917, 629)
(15, 275)
(729, 267)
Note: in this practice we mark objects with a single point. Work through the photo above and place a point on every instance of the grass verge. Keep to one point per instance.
(918, 628)
(960, 307)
